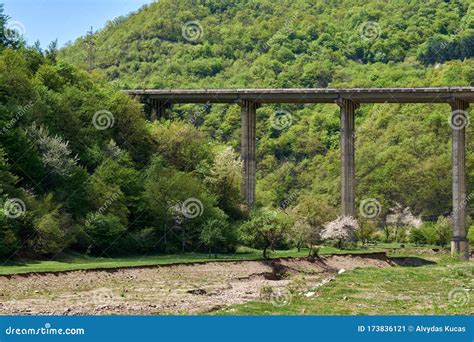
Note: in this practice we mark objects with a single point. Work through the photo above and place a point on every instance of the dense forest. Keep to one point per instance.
(82, 169)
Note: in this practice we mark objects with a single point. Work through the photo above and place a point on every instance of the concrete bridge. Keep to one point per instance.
(348, 99)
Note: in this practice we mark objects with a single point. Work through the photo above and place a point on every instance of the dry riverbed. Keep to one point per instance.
(174, 289)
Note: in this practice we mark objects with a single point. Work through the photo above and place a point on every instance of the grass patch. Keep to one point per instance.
(421, 290)
(73, 262)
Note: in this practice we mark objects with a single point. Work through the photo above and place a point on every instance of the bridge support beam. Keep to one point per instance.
(158, 109)
(248, 150)
(348, 108)
(459, 120)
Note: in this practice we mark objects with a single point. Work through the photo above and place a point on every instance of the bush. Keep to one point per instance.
(430, 233)
(470, 235)
(443, 231)
(104, 231)
(417, 237)
(141, 241)
(50, 238)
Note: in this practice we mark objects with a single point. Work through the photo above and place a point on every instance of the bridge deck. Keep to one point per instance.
(309, 95)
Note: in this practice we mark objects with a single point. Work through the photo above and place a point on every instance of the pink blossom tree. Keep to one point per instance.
(342, 230)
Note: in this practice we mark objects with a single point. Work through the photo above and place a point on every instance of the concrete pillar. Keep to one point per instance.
(248, 150)
(348, 108)
(459, 120)
(158, 109)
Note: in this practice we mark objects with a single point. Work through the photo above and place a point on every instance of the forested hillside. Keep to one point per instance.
(82, 169)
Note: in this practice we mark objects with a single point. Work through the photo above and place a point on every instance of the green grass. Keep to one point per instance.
(73, 262)
(381, 291)
(80, 262)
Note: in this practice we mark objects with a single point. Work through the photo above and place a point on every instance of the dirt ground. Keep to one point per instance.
(174, 289)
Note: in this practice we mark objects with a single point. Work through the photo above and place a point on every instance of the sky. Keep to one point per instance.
(65, 20)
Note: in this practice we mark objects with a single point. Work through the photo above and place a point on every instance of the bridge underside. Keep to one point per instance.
(348, 99)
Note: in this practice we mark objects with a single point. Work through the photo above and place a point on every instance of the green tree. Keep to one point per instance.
(266, 229)
(212, 234)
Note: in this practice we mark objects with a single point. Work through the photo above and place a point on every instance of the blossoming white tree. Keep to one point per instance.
(342, 230)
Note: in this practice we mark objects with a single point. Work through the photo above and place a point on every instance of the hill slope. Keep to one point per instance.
(403, 153)
(303, 43)
(83, 170)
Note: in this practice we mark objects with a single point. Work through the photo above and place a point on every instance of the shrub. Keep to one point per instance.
(443, 231)
(104, 231)
(50, 238)
(470, 235)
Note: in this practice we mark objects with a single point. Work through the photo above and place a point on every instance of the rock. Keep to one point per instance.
(341, 271)
(309, 294)
(197, 291)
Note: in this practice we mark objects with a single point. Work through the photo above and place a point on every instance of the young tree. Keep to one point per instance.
(266, 229)
(342, 230)
(224, 178)
(213, 234)
(366, 231)
(310, 215)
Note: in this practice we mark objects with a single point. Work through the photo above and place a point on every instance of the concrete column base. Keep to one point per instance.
(460, 247)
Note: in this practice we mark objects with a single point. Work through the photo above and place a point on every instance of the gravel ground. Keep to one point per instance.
(174, 289)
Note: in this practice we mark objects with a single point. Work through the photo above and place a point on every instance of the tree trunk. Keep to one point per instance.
(265, 251)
